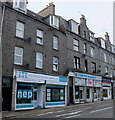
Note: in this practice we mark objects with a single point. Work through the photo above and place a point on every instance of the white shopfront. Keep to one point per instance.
(87, 87)
(106, 90)
(38, 90)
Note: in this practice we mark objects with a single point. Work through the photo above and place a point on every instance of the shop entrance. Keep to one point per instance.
(35, 96)
(106, 93)
(71, 94)
(89, 94)
(6, 94)
(79, 94)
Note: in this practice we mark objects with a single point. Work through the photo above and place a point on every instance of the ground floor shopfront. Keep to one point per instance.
(32, 90)
(107, 88)
(86, 88)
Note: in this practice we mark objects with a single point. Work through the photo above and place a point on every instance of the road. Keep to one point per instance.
(90, 110)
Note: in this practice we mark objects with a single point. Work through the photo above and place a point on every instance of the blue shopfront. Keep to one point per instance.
(39, 91)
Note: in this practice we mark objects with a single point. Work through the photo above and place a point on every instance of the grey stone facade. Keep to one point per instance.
(65, 53)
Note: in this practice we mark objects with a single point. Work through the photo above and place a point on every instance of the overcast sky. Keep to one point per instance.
(98, 13)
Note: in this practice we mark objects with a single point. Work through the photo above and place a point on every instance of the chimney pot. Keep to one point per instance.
(82, 16)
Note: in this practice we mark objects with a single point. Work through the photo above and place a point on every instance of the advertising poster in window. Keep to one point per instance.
(97, 83)
(80, 81)
(89, 82)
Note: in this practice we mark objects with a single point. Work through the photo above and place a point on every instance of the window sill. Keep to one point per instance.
(39, 44)
(56, 50)
(19, 38)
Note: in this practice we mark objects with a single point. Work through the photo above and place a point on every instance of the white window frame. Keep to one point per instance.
(93, 67)
(92, 51)
(74, 27)
(105, 57)
(54, 21)
(103, 43)
(16, 5)
(85, 48)
(18, 55)
(106, 69)
(76, 63)
(92, 38)
(39, 60)
(39, 35)
(113, 60)
(55, 64)
(19, 29)
(55, 42)
(76, 44)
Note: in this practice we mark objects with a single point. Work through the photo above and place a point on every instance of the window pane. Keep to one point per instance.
(55, 42)
(48, 98)
(48, 90)
(55, 94)
(40, 33)
(39, 56)
(55, 60)
(18, 50)
(20, 29)
(39, 40)
(61, 97)
(18, 55)
(17, 60)
(38, 64)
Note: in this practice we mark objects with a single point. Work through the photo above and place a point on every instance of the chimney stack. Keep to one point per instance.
(49, 9)
(82, 19)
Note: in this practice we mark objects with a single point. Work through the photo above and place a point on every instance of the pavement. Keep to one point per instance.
(17, 114)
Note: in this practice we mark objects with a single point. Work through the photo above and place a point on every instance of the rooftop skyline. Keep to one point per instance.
(99, 15)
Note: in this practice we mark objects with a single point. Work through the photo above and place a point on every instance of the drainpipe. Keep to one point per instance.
(1, 28)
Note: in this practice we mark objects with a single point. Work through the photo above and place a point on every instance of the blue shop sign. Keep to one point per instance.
(85, 76)
(62, 79)
(106, 80)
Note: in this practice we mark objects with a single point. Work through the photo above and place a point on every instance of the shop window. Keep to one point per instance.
(105, 94)
(79, 92)
(96, 92)
(24, 93)
(20, 29)
(39, 37)
(55, 94)
(76, 92)
(18, 56)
